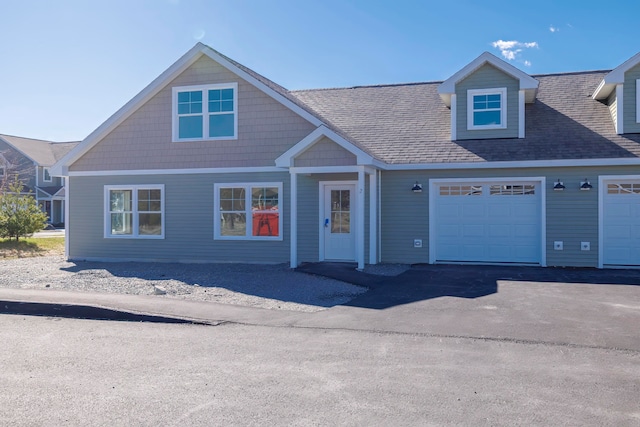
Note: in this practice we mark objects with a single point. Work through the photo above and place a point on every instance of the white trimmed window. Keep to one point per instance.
(248, 211)
(46, 175)
(487, 108)
(205, 113)
(134, 211)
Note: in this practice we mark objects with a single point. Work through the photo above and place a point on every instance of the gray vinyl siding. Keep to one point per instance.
(266, 129)
(630, 102)
(56, 181)
(309, 219)
(571, 215)
(612, 101)
(188, 220)
(325, 153)
(487, 77)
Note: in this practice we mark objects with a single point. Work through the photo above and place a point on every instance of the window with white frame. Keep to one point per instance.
(1, 171)
(134, 211)
(46, 175)
(208, 112)
(487, 109)
(248, 211)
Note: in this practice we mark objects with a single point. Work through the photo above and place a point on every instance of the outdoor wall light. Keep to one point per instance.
(417, 188)
(558, 186)
(585, 185)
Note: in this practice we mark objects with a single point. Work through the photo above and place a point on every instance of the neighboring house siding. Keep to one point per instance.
(325, 153)
(630, 103)
(266, 129)
(571, 215)
(612, 101)
(487, 77)
(17, 164)
(188, 220)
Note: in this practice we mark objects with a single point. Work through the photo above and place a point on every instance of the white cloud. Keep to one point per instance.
(553, 29)
(510, 49)
(527, 63)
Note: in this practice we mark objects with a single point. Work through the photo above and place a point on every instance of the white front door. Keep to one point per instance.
(338, 222)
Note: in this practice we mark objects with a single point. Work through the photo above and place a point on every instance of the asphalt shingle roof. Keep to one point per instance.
(45, 153)
(409, 123)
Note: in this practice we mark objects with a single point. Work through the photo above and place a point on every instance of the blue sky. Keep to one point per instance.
(66, 66)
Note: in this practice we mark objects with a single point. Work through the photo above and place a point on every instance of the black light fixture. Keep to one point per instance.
(417, 188)
(558, 186)
(586, 185)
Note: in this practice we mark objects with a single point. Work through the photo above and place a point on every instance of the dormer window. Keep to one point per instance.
(204, 113)
(487, 109)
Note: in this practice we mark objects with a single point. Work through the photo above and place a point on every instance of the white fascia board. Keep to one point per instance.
(156, 86)
(288, 157)
(527, 82)
(193, 171)
(129, 108)
(258, 84)
(615, 77)
(515, 164)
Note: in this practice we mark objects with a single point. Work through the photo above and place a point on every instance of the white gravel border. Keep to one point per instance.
(265, 286)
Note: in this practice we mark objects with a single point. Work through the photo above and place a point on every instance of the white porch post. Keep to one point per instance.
(293, 212)
(360, 221)
(373, 217)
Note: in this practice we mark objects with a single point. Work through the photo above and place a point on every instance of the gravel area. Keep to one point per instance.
(265, 286)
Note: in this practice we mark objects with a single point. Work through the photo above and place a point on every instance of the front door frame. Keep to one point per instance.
(323, 185)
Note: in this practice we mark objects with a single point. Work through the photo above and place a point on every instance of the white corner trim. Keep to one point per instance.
(454, 117)
(637, 100)
(620, 109)
(521, 110)
(293, 212)
(287, 158)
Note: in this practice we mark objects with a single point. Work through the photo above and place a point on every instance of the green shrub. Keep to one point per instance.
(20, 215)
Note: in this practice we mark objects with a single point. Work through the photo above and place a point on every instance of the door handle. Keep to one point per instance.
(326, 222)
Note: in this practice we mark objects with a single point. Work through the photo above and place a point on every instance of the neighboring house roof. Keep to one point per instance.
(44, 153)
(409, 123)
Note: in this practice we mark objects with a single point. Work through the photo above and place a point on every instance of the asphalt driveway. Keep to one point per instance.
(564, 306)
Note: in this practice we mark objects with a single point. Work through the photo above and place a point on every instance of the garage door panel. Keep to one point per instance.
(496, 224)
(500, 230)
(621, 223)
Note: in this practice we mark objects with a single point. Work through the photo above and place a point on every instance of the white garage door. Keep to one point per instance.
(621, 223)
(488, 222)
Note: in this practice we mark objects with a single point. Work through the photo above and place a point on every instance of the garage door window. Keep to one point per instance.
(631, 188)
(460, 190)
(512, 190)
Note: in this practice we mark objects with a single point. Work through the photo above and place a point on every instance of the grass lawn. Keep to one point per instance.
(31, 247)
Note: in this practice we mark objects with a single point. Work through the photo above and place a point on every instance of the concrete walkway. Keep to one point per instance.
(566, 307)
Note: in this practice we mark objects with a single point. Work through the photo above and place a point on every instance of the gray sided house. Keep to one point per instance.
(31, 161)
(213, 162)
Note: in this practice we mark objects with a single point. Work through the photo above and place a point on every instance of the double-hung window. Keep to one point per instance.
(248, 211)
(487, 109)
(46, 175)
(208, 112)
(134, 211)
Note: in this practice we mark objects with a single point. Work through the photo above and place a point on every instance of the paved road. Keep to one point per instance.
(440, 345)
(58, 371)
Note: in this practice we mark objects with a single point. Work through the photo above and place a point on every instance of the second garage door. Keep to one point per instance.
(493, 222)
